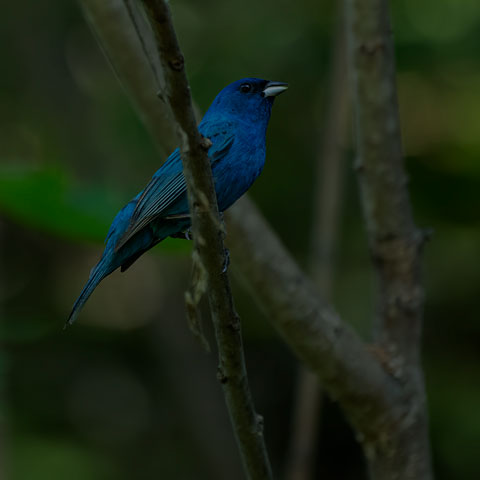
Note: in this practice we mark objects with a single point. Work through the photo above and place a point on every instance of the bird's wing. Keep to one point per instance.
(168, 183)
(221, 135)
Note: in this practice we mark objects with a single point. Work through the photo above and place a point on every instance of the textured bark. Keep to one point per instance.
(209, 251)
(395, 242)
(348, 370)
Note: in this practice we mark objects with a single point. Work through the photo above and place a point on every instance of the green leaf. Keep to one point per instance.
(47, 199)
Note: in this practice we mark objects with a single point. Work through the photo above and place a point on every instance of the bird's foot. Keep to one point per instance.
(186, 235)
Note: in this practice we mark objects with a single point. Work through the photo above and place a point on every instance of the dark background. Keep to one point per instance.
(127, 392)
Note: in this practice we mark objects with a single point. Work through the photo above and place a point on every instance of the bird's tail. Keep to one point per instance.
(99, 272)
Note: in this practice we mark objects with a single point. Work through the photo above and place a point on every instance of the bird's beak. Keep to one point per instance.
(272, 89)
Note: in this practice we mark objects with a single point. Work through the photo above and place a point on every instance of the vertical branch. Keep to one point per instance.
(208, 242)
(303, 439)
(393, 238)
(395, 242)
(325, 228)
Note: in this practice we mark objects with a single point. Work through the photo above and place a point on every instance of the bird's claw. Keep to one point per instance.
(186, 235)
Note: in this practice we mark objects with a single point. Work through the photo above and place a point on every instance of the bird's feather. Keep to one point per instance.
(168, 183)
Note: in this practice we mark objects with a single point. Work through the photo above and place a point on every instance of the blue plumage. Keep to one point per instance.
(236, 124)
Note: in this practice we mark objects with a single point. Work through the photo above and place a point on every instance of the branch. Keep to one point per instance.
(111, 23)
(309, 325)
(208, 243)
(395, 242)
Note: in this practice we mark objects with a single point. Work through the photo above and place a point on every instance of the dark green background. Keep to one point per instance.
(127, 393)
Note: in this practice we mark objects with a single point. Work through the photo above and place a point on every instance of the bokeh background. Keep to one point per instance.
(128, 392)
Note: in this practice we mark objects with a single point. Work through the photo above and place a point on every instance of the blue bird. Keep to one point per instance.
(236, 124)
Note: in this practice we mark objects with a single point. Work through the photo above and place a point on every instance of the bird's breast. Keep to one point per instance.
(237, 171)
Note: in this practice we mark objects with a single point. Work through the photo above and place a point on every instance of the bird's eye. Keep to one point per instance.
(245, 87)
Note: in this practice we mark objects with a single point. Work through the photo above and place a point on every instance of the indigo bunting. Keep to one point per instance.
(236, 124)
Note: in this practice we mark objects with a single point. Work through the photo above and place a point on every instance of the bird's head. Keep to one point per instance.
(249, 99)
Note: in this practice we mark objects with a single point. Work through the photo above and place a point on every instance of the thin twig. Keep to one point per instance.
(325, 229)
(395, 242)
(208, 242)
(111, 23)
(149, 48)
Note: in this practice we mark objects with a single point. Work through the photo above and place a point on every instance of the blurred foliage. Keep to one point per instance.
(127, 393)
(45, 199)
(48, 200)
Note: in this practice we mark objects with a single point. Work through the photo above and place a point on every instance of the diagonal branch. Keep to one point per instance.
(308, 324)
(208, 243)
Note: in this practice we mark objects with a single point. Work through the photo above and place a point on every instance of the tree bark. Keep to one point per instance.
(309, 325)
(394, 240)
